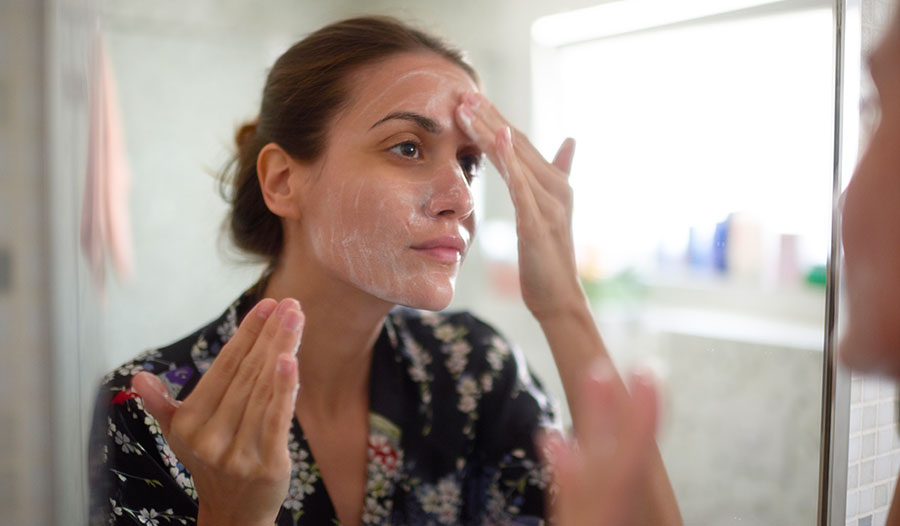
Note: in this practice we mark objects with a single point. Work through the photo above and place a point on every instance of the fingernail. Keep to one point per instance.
(643, 374)
(465, 114)
(473, 100)
(285, 364)
(292, 320)
(602, 371)
(159, 386)
(508, 136)
(265, 307)
(287, 305)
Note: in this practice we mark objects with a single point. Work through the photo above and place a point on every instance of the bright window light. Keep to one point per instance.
(681, 125)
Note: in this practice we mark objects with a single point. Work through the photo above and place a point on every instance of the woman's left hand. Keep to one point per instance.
(599, 476)
(542, 198)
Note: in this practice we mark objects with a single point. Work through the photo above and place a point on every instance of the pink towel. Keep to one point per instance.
(105, 228)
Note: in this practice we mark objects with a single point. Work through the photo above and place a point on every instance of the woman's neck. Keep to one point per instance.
(342, 325)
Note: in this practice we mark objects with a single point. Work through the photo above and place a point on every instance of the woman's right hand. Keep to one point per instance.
(232, 431)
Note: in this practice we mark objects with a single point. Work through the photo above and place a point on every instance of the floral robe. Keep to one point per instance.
(453, 413)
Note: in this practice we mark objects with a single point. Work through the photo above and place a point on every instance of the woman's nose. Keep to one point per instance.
(452, 197)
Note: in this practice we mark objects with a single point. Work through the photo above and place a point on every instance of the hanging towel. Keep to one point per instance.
(105, 227)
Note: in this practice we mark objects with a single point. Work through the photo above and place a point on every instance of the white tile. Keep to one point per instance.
(868, 420)
(870, 389)
(879, 519)
(895, 464)
(866, 472)
(882, 14)
(852, 504)
(855, 389)
(866, 500)
(885, 440)
(853, 449)
(888, 388)
(868, 445)
(886, 413)
(855, 419)
(852, 477)
(881, 495)
(883, 468)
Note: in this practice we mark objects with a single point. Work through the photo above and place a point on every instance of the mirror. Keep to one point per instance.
(703, 182)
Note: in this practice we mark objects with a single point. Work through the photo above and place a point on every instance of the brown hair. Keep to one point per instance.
(304, 90)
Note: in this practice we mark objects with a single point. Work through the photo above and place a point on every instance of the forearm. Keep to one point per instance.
(576, 345)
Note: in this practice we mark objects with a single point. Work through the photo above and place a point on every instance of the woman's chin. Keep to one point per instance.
(868, 356)
(432, 298)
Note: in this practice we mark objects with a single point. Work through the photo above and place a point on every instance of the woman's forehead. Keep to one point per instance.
(423, 82)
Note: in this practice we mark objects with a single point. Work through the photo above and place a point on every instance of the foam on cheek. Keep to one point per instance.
(369, 240)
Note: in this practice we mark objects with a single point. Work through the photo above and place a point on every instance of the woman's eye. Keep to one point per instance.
(407, 149)
(472, 165)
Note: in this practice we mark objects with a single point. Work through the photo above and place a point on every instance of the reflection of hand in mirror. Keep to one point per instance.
(598, 475)
(231, 432)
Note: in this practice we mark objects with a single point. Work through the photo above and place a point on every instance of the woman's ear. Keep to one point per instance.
(280, 181)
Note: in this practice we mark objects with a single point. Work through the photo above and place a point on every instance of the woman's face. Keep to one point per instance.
(871, 229)
(390, 210)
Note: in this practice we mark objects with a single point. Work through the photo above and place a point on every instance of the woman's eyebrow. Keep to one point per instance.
(422, 121)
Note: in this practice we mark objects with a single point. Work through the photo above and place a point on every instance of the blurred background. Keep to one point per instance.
(703, 182)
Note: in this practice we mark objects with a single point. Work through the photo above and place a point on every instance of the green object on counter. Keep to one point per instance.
(817, 276)
(623, 287)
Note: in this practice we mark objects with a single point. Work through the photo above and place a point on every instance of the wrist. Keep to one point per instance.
(573, 308)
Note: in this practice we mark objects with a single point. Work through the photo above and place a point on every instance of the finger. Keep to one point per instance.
(563, 158)
(497, 144)
(636, 439)
(157, 399)
(494, 120)
(521, 190)
(208, 393)
(546, 443)
(643, 416)
(567, 501)
(485, 126)
(227, 418)
(285, 341)
(601, 412)
(280, 411)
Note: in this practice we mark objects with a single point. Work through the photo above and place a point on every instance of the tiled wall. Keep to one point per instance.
(874, 448)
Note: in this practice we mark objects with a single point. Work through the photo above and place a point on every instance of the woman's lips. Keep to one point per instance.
(446, 249)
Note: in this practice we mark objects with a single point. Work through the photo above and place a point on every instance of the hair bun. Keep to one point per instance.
(245, 134)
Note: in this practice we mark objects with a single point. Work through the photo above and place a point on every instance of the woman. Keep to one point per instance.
(354, 185)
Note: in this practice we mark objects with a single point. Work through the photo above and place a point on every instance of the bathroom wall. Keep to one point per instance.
(25, 469)
(873, 461)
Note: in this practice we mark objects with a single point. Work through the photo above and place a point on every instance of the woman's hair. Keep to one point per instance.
(304, 90)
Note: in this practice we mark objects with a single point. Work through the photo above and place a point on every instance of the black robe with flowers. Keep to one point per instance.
(452, 416)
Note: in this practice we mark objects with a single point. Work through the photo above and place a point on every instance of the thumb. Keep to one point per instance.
(563, 158)
(157, 400)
